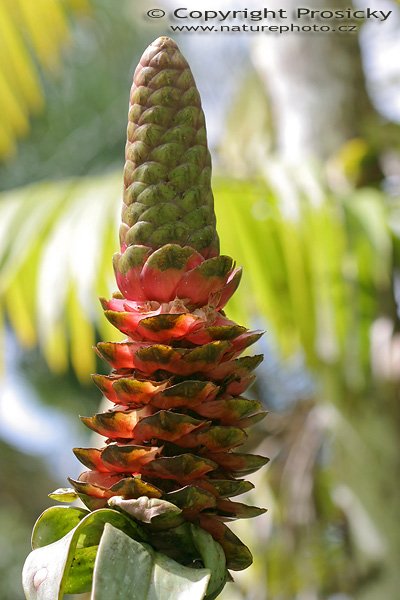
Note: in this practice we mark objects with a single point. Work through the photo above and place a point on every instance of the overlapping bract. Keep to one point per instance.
(177, 378)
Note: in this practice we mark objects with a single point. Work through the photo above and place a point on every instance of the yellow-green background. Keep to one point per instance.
(320, 254)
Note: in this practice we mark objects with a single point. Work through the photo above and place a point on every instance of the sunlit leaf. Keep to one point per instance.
(54, 523)
(64, 495)
(44, 569)
(127, 569)
(64, 542)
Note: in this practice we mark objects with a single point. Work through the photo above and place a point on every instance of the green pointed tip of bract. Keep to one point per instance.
(167, 175)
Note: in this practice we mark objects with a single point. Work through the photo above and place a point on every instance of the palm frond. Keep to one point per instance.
(313, 270)
(32, 35)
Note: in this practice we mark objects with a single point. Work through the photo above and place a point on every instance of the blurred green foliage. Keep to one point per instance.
(32, 37)
(317, 267)
(82, 129)
(319, 274)
(23, 483)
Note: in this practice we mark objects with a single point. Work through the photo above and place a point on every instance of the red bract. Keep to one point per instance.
(174, 272)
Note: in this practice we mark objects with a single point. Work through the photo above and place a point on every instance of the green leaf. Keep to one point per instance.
(80, 575)
(127, 570)
(44, 569)
(62, 565)
(177, 543)
(55, 523)
(64, 495)
(91, 528)
(66, 540)
(213, 558)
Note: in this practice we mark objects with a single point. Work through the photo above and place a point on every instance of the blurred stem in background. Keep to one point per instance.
(319, 239)
(316, 125)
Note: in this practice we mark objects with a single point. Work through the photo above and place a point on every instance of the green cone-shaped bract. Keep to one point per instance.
(177, 379)
(167, 175)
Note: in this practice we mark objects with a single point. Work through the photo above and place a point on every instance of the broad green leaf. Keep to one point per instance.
(191, 543)
(213, 558)
(91, 527)
(66, 563)
(80, 574)
(128, 570)
(44, 568)
(54, 523)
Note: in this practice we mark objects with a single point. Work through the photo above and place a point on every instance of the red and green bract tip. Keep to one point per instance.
(177, 379)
